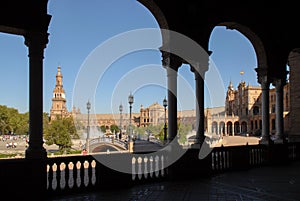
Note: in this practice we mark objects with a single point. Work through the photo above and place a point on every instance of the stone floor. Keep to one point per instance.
(279, 183)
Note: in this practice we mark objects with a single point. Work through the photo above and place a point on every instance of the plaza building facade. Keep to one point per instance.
(240, 115)
(242, 112)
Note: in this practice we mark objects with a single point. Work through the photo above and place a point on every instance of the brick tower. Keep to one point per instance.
(58, 109)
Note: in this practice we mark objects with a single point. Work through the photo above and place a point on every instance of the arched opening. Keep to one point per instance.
(105, 22)
(14, 72)
(222, 128)
(229, 128)
(237, 127)
(14, 88)
(244, 127)
(243, 95)
(104, 148)
(214, 127)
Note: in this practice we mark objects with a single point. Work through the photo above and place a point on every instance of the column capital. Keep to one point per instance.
(197, 71)
(279, 83)
(263, 76)
(280, 80)
(170, 60)
(36, 41)
(36, 38)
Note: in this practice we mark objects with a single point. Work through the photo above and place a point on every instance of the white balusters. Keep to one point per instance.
(151, 166)
(162, 166)
(156, 159)
(93, 179)
(54, 177)
(62, 182)
(146, 167)
(140, 173)
(133, 161)
(71, 175)
(78, 178)
(48, 168)
(86, 173)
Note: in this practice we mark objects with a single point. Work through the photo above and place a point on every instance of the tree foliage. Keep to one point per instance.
(183, 130)
(103, 129)
(60, 132)
(11, 121)
(114, 128)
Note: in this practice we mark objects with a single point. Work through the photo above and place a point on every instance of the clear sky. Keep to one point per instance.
(78, 27)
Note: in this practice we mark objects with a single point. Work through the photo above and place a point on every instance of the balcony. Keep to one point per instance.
(70, 175)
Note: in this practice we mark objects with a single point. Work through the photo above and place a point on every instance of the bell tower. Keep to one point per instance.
(58, 109)
(230, 96)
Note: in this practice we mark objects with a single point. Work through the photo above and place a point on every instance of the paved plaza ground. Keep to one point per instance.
(237, 140)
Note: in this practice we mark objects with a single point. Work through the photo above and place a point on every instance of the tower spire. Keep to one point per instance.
(58, 108)
(230, 86)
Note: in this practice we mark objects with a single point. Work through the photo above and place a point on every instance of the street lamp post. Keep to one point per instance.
(120, 109)
(165, 104)
(88, 106)
(130, 101)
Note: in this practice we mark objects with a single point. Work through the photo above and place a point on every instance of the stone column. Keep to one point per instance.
(200, 117)
(265, 86)
(294, 95)
(171, 63)
(36, 154)
(36, 43)
(279, 111)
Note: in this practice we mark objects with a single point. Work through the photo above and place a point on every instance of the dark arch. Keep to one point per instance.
(229, 128)
(159, 16)
(104, 148)
(214, 128)
(244, 127)
(222, 127)
(156, 12)
(237, 127)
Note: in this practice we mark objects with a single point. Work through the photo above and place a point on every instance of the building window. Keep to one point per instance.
(273, 124)
(273, 108)
(255, 110)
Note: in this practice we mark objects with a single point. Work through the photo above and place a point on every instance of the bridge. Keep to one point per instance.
(104, 144)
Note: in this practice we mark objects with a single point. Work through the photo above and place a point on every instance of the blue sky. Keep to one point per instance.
(78, 27)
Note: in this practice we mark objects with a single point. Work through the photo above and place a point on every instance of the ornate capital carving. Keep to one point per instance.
(263, 76)
(279, 83)
(198, 69)
(171, 61)
(36, 42)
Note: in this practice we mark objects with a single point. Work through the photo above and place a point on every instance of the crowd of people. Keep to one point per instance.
(11, 140)
(11, 144)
